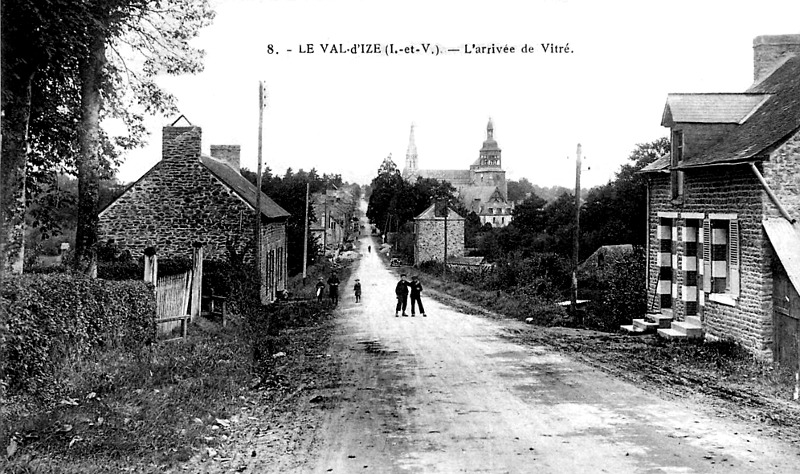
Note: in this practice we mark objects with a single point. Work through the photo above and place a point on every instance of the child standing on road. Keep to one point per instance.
(401, 290)
(320, 289)
(416, 291)
(357, 290)
(333, 286)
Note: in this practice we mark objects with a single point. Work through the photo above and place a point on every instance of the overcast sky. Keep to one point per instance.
(342, 113)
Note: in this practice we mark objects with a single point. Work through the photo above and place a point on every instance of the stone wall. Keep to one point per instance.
(782, 173)
(429, 239)
(730, 190)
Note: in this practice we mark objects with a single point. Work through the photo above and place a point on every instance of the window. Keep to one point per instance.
(677, 158)
(721, 257)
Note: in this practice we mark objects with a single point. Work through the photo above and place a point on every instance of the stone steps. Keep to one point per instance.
(663, 325)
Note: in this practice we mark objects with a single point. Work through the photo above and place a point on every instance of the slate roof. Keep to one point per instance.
(242, 187)
(777, 119)
(453, 176)
(428, 214)
(660, 165)
(483, 193)
(710, 108)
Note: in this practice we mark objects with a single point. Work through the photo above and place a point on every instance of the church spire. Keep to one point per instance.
(490, 129)
(411, 153)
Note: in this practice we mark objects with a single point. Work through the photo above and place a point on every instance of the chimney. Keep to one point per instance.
(227, 153)
(180, 143)
(769, 52)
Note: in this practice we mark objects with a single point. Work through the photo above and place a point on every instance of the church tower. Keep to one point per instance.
(487, 169)
(411, 155)
(490, 152)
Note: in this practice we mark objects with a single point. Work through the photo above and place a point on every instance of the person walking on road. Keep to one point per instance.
(333, 288)
(416, 291)
(357, 290)
(320, 290)
(369, 248)
(401, 290)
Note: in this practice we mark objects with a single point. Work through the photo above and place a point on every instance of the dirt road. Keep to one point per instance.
(448, 393)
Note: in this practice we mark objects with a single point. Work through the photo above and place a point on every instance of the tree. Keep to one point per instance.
(519, 190)
(158, 33)
(65, 68)
(529, 215)
(616, 213)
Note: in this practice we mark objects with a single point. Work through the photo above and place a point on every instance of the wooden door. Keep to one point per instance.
(786, 319)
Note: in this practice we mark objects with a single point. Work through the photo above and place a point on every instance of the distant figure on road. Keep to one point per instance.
(333, 288)
(369, 248)
(401, 290)
(357, 290)
(416, 290)
(320, 289)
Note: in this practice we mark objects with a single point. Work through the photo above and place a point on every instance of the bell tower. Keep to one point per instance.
(411, 154)
(490, 152)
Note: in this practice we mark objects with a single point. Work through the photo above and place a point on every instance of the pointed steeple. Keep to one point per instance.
(490, 129)
(411, 153)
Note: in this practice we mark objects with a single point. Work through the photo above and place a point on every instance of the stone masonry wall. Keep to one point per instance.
(179, 202)
(782, 173)
(734, 190)
(429, 244)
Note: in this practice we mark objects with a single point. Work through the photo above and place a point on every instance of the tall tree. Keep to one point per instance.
(62, 46)
(616, 213)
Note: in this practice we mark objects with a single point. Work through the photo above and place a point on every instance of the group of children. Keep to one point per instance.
(403, 289)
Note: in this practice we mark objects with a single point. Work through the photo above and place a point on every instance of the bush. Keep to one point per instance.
(618, 292)
(54, 320)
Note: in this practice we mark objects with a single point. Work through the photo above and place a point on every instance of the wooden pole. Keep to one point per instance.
(151, 265)
(575, 240)
(446, 211)
(305, 237)
(325, 232)
(197, 279)
(259, 270)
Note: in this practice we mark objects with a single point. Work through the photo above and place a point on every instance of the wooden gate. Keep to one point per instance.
(172, 302)
(786, 319)
(177, 296)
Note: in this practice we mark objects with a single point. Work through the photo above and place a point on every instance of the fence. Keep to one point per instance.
(177, 296)
(172, 302)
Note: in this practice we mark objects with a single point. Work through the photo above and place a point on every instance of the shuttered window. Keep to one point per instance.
(721, 256)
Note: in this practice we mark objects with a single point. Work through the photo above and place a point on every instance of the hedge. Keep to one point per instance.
(54, 321)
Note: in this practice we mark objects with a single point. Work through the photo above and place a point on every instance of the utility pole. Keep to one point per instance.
(575, 239)
(325, 233)
(446, 212)
(305, 237)
(262, 103)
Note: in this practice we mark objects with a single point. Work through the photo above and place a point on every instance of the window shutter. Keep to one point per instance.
(707, 256)
(733, 257)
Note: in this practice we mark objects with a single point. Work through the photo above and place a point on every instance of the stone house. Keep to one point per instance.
(334, 210)
(189, 197)
(723, 247)
(429, 235)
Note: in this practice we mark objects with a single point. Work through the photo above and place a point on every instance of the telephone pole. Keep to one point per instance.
(305, 238)
(573, 297)
(262, 103)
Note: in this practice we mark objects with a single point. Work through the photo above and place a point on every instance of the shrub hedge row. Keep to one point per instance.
(56, 320)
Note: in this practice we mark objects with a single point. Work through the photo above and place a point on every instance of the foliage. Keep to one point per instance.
(71, 65)
(617, 291)
(289, 192)
(616, 213)
(55, 319)
(394, 201)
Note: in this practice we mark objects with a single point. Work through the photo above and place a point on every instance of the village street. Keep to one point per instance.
(448, 393)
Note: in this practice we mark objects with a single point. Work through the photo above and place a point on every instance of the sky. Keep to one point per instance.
(345, 113)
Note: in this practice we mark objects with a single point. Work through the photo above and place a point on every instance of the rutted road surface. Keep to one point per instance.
(448, 393)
